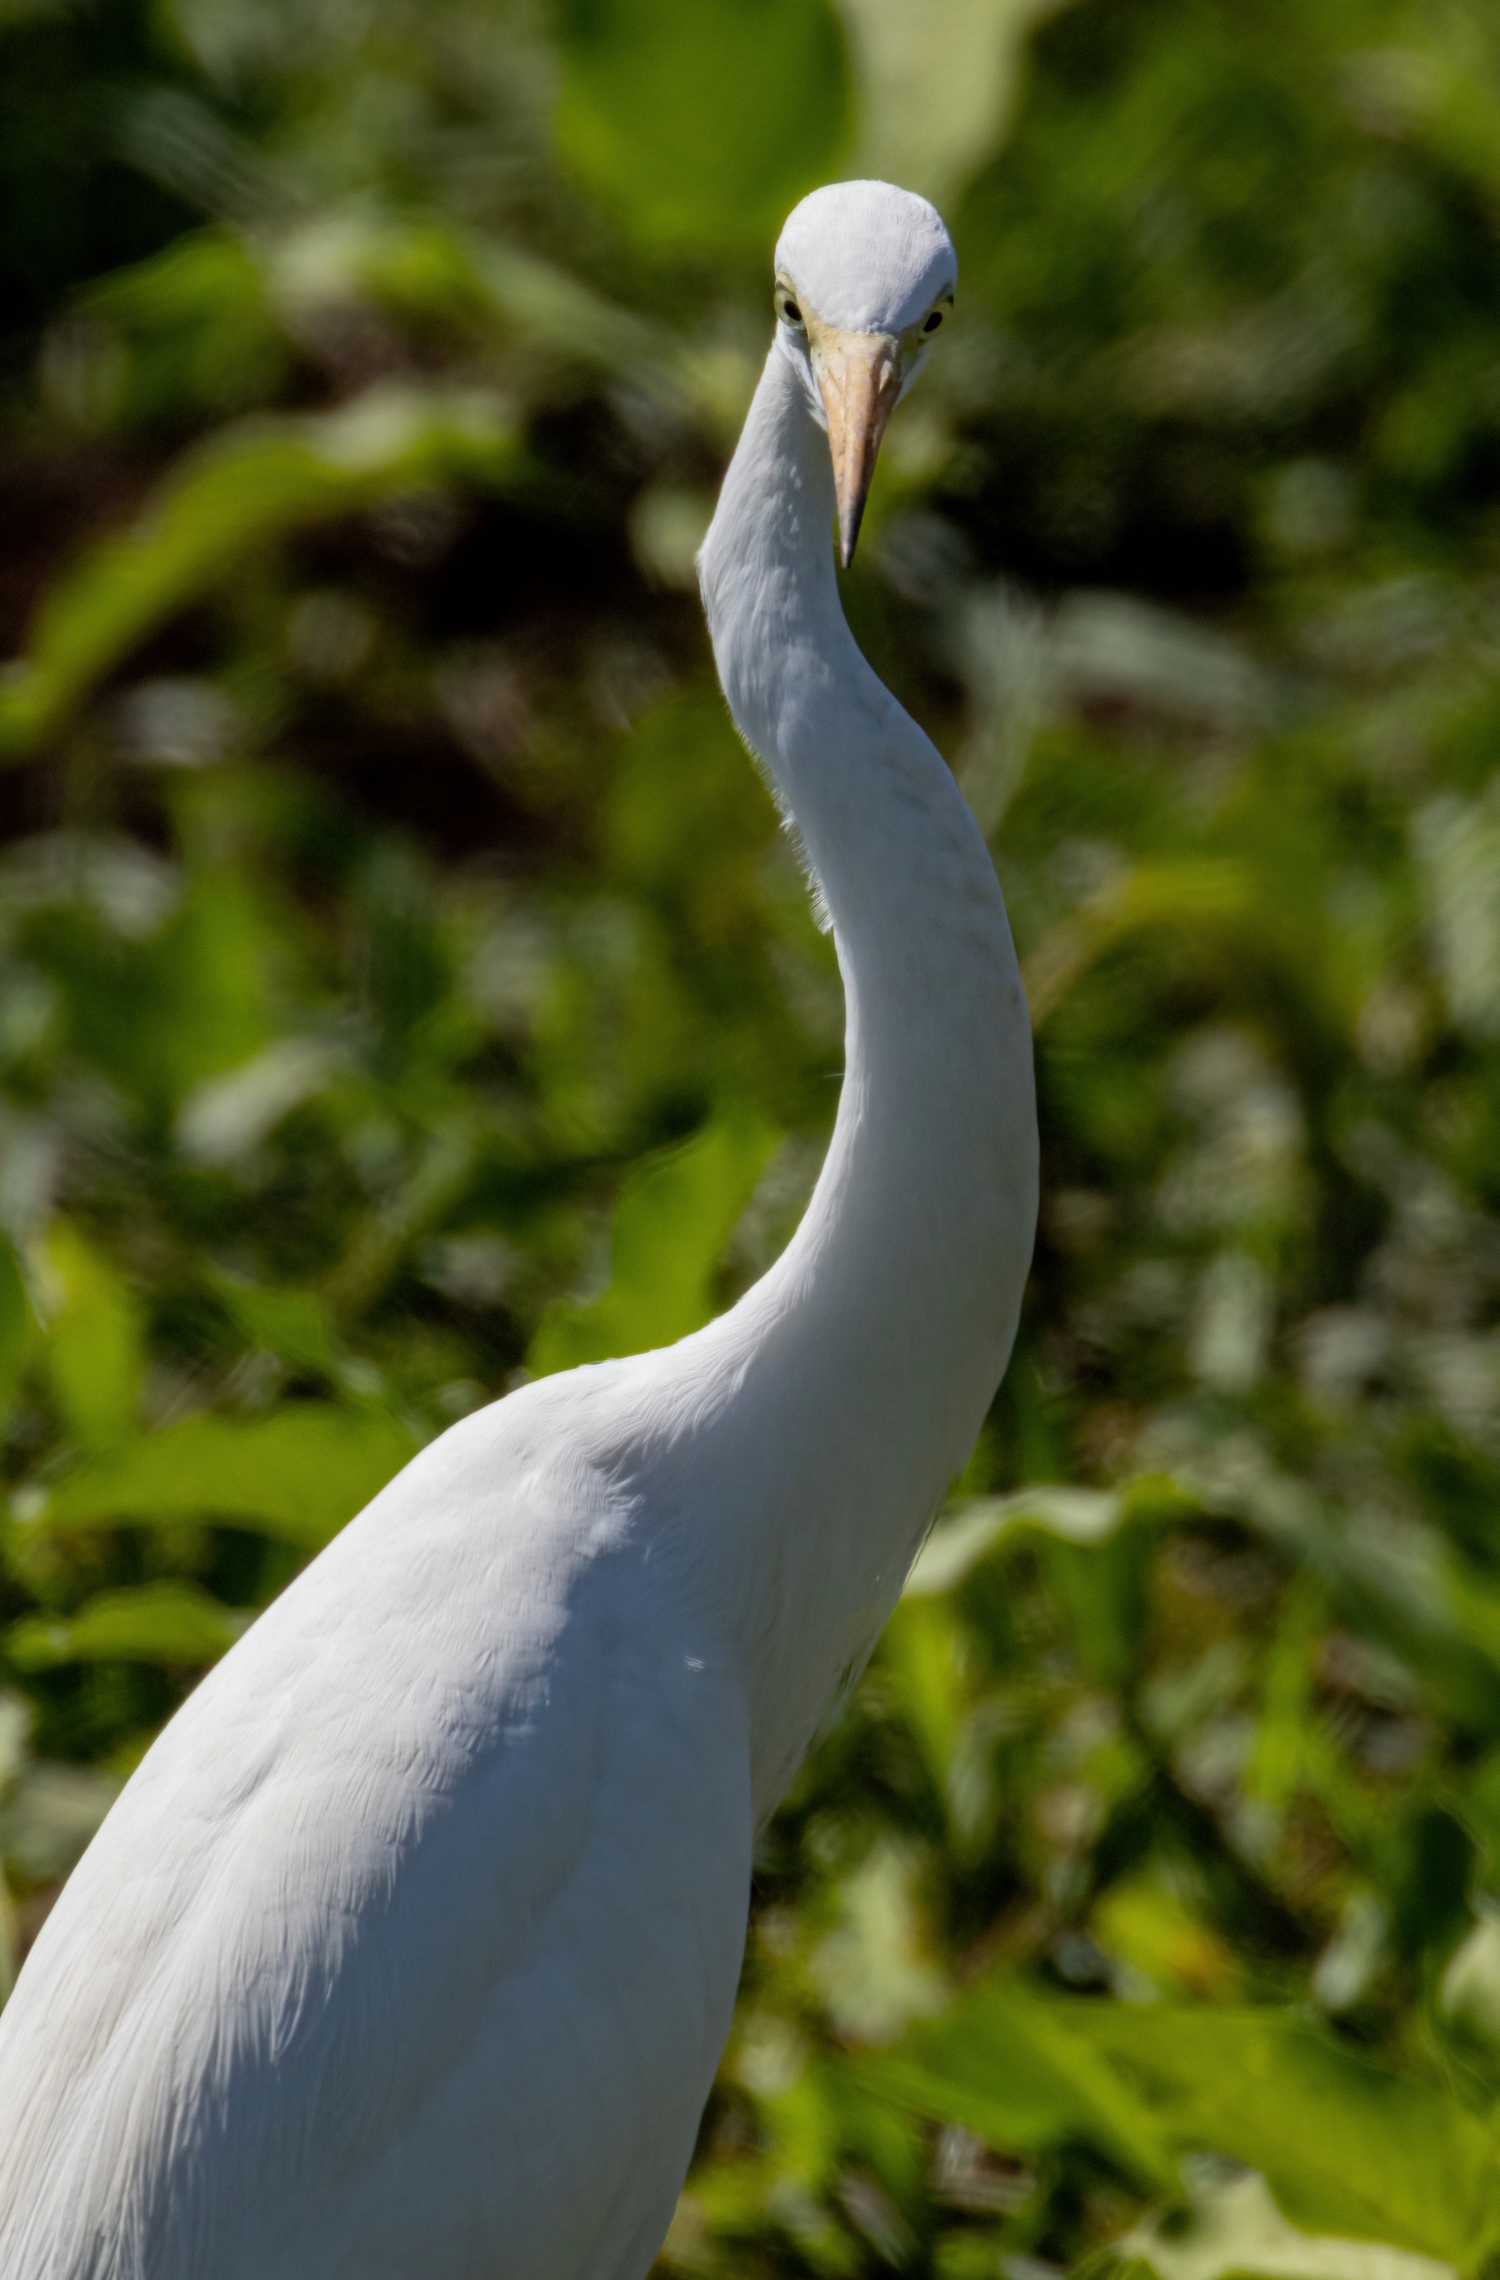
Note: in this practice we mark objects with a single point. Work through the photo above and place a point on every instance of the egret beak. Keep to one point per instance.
(859, 379)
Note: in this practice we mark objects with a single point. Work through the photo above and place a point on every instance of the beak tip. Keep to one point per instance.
(858, 378)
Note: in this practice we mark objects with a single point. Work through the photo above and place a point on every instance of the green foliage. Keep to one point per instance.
(703, 121)
(1018, 2073)
(172, 1623)
(94, 1356)
(405, 988)
(16, 1321)
(674, 1217)
(297, 1475)
(243, 491)
(1346, 2147)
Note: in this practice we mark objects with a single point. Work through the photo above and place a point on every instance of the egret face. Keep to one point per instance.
(865, 278)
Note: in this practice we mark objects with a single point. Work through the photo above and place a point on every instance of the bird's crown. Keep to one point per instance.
(870, 258)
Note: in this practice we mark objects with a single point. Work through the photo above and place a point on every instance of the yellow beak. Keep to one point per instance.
(859, 379)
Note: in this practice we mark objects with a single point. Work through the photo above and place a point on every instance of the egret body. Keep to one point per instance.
(410, 1949)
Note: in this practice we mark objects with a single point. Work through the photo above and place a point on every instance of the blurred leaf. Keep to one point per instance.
(1207, 899)
(1148, 1927)
(94, 1350)
(1234, 2226)
(1011, 2068)
(674, 1217)
(297, 1475)
(1345, 2146)
(199, 323)
(227, 1116)
(936, 85)
(168, 1013)
(702, 121)
(290, 1323)
(242, 490)
(17, 1322)
(971, 1527)
(1286, 1710)
(172, 1623)
(872, 1970)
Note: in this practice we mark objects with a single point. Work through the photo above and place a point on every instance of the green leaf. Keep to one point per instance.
(1209, 898)
(1009, 2066)
(702, 121)
(165, 1015)
(1232, 2229)
(17, 1322)
(201, 329)
(936, 84)
(174, 1623)
(94, 1353)
(1344, 2145)
(675, 1214)
(297, 1475)
(243, 489)
(972, 1527)
(288, 1323)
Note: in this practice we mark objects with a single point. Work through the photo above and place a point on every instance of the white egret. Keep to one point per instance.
(409, 1951)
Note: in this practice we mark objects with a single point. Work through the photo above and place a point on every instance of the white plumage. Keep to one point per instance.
(410, 1949)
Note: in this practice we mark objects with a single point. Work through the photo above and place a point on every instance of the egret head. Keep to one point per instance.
(865, 276)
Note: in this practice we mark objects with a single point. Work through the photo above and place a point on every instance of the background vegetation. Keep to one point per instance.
(405, 987)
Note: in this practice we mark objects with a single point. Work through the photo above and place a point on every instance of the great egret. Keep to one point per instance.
(409, 1951)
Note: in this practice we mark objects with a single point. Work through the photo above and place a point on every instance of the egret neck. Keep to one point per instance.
(903, 1280)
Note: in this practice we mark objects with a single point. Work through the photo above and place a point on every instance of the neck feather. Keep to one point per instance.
(843, 1392)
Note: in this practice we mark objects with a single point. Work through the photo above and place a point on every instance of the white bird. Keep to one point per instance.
(410, 1949)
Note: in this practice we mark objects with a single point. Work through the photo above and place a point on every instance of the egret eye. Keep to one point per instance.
(933, 321)
(790, 312)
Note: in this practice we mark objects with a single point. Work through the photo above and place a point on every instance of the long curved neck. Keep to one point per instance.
(861, 1366)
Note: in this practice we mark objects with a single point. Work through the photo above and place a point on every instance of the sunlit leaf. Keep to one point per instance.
(971, 1527)
(1344, 2145)
(1233, 2226)
(297, 1475)
(1012, 2069)
(94, 1342)
(936, 84)
(172, 1623)
(673, 1219)
(1148, 1927)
